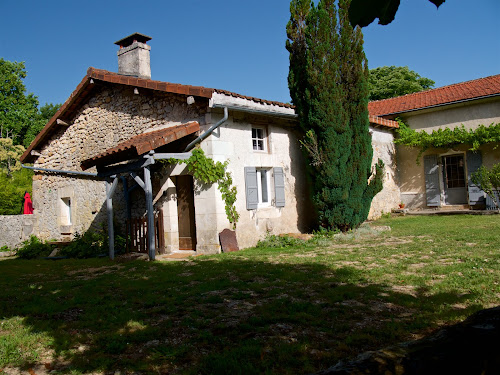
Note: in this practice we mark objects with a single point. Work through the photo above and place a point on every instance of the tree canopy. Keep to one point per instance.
(9, 156)
(328, 86)
(363, 12)
(20, 117)
(391, 81)
(14, 180)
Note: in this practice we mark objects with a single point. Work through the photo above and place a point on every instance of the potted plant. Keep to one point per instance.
(401, 205)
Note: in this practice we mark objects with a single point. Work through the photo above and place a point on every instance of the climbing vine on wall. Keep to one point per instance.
(446, 138)
(209, 171)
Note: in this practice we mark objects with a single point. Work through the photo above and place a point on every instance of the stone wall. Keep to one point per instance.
(111, 115)
(15, 229)
(66, 204)
(233, 142)
(383, 148)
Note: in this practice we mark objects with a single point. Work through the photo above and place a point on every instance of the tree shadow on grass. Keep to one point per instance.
(224, 315)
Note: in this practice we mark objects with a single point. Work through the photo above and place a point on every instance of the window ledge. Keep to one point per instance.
(66, 229)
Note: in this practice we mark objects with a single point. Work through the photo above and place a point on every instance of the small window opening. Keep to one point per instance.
(66, 211)
(259, 139)
(263, 186)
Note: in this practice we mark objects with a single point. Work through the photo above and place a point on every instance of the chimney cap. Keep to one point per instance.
(135, 37)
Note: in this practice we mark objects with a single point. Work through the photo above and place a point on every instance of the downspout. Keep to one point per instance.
(60, 171)
(208, 132)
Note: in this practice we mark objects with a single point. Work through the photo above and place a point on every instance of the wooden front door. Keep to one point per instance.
(185, 213)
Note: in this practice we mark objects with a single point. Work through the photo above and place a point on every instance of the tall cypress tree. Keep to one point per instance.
(328, 86)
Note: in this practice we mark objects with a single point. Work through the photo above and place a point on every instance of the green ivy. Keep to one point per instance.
(208, 171)
(446, 138)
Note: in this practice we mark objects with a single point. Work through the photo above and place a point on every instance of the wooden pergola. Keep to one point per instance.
(131, 157)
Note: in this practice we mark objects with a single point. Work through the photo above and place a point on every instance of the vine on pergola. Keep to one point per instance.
(447, 138)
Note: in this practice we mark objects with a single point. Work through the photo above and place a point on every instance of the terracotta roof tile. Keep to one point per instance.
(85, 87)
(140, 144)
(458, 92)
(382, 121)
(257, 100)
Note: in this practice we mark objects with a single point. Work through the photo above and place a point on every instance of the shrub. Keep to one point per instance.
(92, 244)
(89, 245)
(4, 248)
(34, 248)
(272, 241)
(489, 181)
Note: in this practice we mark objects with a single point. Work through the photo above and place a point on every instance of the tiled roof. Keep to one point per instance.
(174, 88)
(382, 121)
(140, 144)
(82, 91)
(478, 88)
(254, 99)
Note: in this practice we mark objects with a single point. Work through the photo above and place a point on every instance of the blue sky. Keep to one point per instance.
(233, 45)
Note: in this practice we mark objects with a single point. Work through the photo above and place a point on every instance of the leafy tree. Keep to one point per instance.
(391, 81)
(364, 12)
(48, 110)
(328, 85)
(20, 117)
(489, 181)
(12, 191)
(18, 110)
(14, 181)
(44, 115)
(10, 155)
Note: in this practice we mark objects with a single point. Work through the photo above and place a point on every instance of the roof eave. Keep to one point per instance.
(438, 105)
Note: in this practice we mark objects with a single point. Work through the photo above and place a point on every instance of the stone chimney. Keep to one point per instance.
(133, 56)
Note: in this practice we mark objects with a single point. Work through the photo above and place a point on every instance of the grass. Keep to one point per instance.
(257, 311)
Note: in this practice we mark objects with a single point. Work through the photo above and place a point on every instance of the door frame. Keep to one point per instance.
(189, 184)
(442, 171)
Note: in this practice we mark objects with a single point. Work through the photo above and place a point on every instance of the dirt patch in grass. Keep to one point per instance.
(405, 289)
(91, 273)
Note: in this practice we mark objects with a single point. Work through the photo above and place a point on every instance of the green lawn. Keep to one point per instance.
(283, 311)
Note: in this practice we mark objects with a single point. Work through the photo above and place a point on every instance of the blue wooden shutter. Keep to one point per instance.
(252, 191)
(474, 161)
(279, 187)
(432, 190)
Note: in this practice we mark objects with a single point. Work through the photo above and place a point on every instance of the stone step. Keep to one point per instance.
(454, 207)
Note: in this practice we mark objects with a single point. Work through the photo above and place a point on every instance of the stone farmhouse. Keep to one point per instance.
(98, 160)
(442, 177)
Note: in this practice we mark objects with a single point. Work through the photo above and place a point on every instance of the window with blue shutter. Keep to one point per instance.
(432, 189)
(279, 187)
(252, 192)
(474, 161)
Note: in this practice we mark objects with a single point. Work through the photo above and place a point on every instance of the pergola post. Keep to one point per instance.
(126, 193)
(110, 189)
(148, 188)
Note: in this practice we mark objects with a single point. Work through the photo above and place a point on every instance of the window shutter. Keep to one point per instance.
(432, 190)
(252, 192)
(474, 161)
(279, 187)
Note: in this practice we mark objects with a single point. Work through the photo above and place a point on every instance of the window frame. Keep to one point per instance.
(257, 139)
(66, 214)
(268, 171)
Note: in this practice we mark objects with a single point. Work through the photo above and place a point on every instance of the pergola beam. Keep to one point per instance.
(180, 155)
(124, 168)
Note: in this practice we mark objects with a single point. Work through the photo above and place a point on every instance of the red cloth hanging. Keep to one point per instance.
(28, 205)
